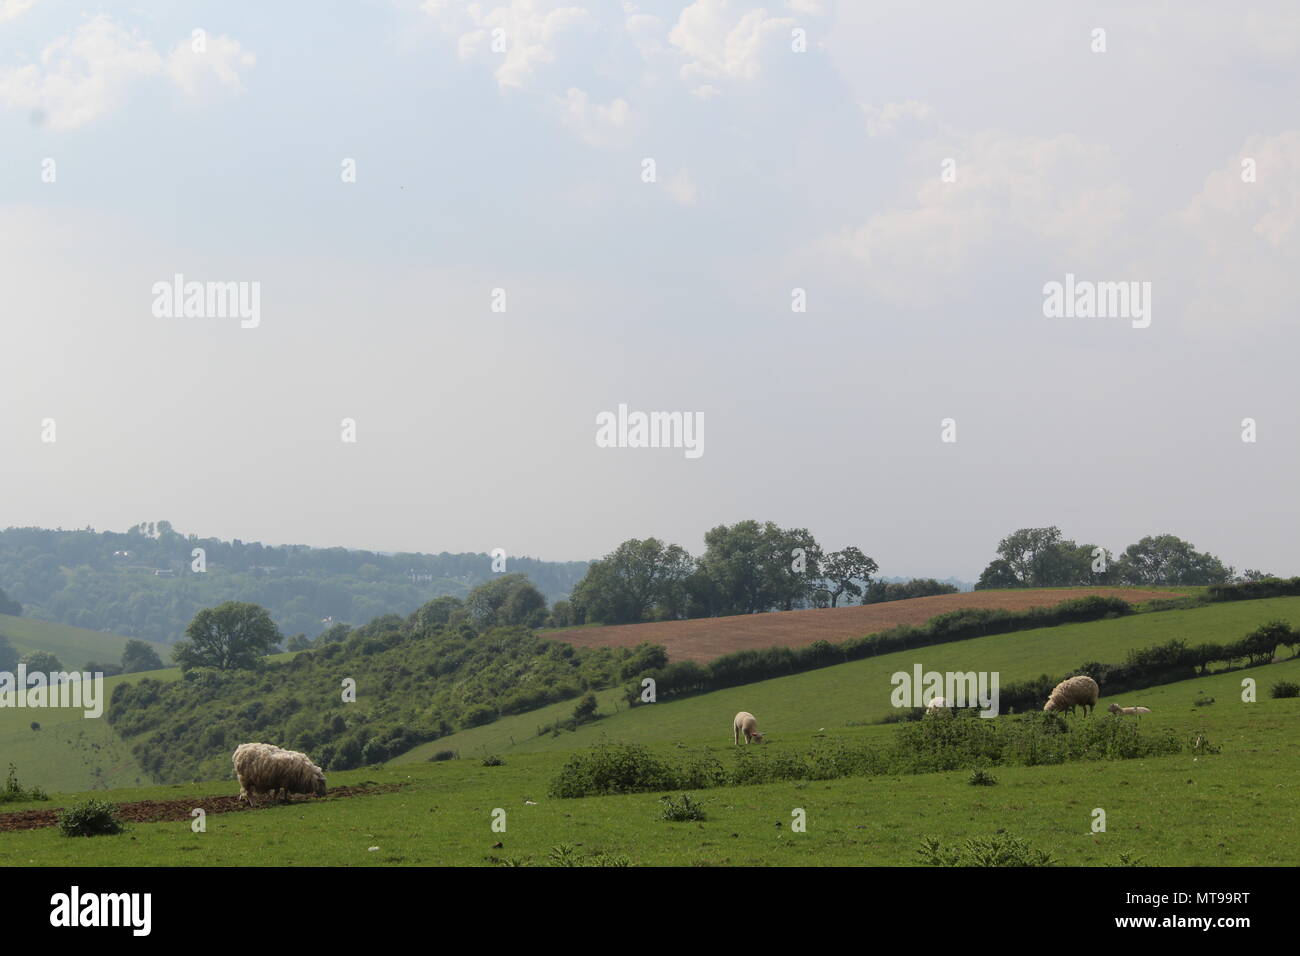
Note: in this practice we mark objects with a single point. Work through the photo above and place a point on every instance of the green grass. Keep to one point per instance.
(1231, 808)
(73, 646)
(858, 692)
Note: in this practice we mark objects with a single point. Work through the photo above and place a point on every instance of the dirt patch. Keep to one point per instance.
(704, 639)
(156, 811)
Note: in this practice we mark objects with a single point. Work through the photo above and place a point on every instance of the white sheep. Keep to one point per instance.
(937, 705)
(1117, 709)
(1072, 692)
(266, 768)
(747, 724)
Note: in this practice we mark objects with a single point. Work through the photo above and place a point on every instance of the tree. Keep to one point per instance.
(138, 656)
(841, 571)
(231, 636)
(95, 667)
(9, 606)
(509, 600)
(436, 612)
(751, 567)
(1168, 560)
(1041, 558)
(42, 661)
(299, 642)
(638, 580)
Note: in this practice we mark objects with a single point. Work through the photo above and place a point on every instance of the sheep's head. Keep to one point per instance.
(1114, 708)
(757, 736)
(1050, 705)
(320, 785)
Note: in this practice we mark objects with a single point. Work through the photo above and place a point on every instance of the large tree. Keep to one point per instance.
(139, 656)
(752, 567)
(508, 600)
(840, 572)
(230, 636)
(1041, 558)
(638, 580)
(1169, 560)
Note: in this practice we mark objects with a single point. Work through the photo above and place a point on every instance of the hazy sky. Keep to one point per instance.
(521, 169)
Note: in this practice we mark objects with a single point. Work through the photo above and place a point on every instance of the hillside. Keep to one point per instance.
(141, 583)
(73, 646)
(703, 639)
(857, 693)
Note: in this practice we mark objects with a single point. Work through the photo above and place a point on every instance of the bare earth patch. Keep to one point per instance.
(154, 811)
(704, 639)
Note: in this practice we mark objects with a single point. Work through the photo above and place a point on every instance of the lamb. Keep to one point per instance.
(1072, 692)
(745, 722)
(937, 705)
(1117, 709)
(266, 768)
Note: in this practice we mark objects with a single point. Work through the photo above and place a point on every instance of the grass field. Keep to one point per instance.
(1234, 808)
(703, 639)
(73, 646)
(858, 692)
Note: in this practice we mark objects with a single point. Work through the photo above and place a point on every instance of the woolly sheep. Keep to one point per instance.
(1070, 693)
(266, 768)
(746, 723)
(1117, 709)
(936, 705)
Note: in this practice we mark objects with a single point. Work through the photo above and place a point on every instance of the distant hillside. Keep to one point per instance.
(140, 583)
(73, 646)
(704, 639)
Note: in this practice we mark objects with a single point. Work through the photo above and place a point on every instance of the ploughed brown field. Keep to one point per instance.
(703, 639)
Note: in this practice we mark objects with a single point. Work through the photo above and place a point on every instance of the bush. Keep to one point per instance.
(492, 760)
(685, 811)
(15, 792)
(443, 755)
(374, 752)
(90, 818)
(982, 778)
(612, 768)
(1285, 688)
(998, 850)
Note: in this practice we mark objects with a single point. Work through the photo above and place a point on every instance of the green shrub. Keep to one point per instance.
(612, 768)
(981, 778)
(1285, 688)
(443, 755)
(683, 811)
(15, 792)
(997, 850)
(90, 818)
(492, 760)
(374, 752)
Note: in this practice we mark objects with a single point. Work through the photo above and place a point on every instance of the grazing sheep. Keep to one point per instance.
(1117, 709)
(1072, 692)
(937, 705)
(747, 724)
(266, 768)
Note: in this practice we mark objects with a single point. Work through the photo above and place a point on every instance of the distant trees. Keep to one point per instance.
(9, 606)
(231, 636)
(746, 568)
(8, 655)
(138, 656)
(42, 661)
(881, 591)
(1041, 558)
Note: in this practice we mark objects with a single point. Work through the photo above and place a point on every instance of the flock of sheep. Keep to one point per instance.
(268, 769)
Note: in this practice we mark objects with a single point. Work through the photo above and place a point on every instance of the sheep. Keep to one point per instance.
(1117, 709)
(745, 722)
(1072, 692)
(266, 768)
(937, 705)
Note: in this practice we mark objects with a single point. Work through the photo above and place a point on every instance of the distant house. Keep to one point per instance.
(123, 554)
(164, 573)
(327, 620)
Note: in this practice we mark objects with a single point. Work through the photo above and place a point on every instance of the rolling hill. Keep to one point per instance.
(73, 646)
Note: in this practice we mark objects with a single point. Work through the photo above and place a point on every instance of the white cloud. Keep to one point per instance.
(218, 64)
(681, 188)
(530, 29)
(1042, 194)
(884, 120)
(13, 9)
(84, 76)
(596, 125)
(718, 42)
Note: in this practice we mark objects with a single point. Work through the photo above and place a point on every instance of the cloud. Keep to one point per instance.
(84, 76)
(720, 43)
(216, 66)
(596, 125)
(884, 120)
(529, 29)
(681, 189)
(1052, 196)
(13, 9)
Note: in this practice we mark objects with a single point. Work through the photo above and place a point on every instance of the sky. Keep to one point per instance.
(473, 228)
